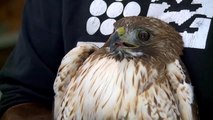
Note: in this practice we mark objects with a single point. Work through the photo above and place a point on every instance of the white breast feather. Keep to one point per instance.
(104, 88)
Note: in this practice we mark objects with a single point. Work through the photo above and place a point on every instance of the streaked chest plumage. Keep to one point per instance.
(105, 88)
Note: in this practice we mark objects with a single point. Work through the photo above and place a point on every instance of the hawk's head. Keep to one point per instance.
(145, 37)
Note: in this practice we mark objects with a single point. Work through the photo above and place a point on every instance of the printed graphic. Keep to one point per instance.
(191, 18)
(115, 9)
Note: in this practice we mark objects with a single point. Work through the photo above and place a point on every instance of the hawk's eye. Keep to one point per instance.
(143, 35)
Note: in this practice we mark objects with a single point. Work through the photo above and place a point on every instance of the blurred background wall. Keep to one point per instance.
(10, 23)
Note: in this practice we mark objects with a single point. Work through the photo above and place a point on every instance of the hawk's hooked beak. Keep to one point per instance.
(120, 40)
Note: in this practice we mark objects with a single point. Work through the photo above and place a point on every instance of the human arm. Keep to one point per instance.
(29, 72)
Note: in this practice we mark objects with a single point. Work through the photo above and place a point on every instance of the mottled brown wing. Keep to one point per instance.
(68, 67)
(182, 90)
(195, 110)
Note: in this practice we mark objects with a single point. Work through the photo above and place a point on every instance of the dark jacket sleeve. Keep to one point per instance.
(29, 72)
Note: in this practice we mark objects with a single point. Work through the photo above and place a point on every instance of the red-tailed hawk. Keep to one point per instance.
(137, 74)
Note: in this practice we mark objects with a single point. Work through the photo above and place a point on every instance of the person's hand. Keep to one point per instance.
(28, 111)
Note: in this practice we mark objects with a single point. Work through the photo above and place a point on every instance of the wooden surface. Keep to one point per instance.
(10, 22)
(10, 15)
